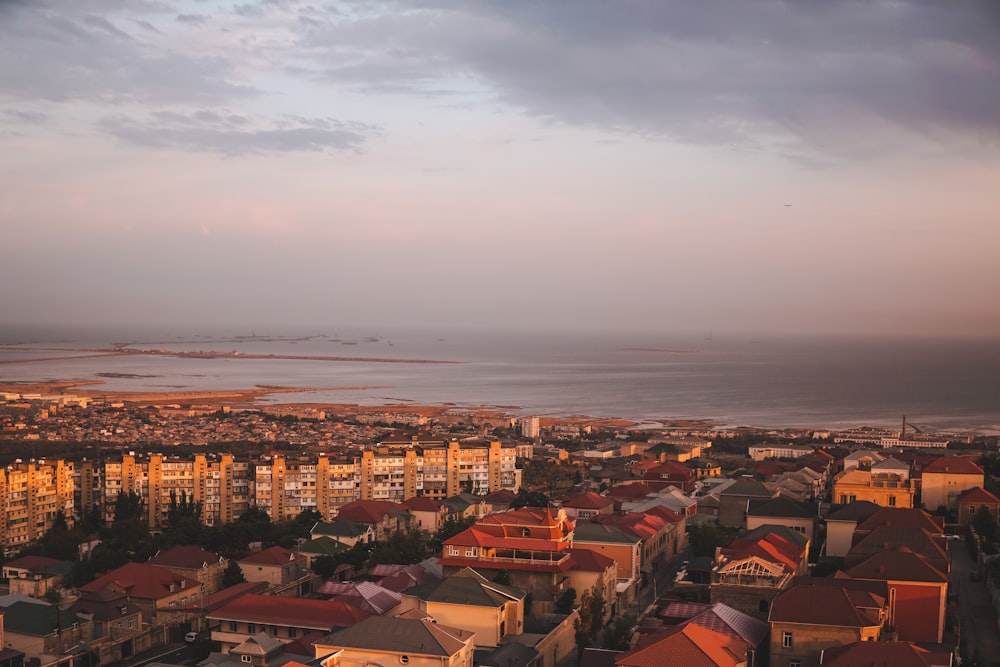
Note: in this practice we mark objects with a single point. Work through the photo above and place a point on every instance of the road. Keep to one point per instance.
(977, 618)
(171, 654)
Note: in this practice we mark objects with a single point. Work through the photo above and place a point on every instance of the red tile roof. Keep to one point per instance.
(422, 504)
(897, 654)
(321, 615)
(977, 495)
(953, 465)
(32, 563)
(367, 511)
(899, 564)
(185, 557)
(587, 501)
(827, 605)
(586, 560)
(143, 581)
(689, 645)
(275, 556)
(902, 516)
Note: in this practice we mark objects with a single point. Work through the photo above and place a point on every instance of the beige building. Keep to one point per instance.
(221, 484)
(31, 495)
(385, 640)
(945, 479)
(887, 489)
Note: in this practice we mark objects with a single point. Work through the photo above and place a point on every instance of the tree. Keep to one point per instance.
(529, 499)
(985, 523)
(324, 566)
(232, 575)
(502, 577)
(618, 634)
(565, 602)
(590, 619)
(403, 547)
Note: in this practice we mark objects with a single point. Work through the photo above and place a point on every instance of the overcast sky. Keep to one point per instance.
(646, 164)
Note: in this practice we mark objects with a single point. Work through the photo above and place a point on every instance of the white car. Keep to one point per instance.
(191, 637)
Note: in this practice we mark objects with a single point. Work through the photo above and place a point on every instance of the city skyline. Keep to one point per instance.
(775, 166)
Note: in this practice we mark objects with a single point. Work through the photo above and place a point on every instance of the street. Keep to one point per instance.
(977, 617)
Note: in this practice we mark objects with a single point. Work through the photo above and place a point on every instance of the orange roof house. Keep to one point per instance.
(944, 479)
(690, 645)
(971, 501)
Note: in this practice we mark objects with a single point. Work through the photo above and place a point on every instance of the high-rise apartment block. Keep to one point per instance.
(222, 485)
(284, 486)
(31, 495)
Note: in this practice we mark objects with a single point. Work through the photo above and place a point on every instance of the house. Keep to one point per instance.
(971, 501)
(897, 654)
(319, 547)
(388, 640)
(587, 505)
(532, 544)
(193, 562)
(42, 632)
(786, 512)
(723, 618)
(815, 615)
(918, 592)
(596, 573)
(282, 618)
(155, 590)
(428, 513)
(276, 566)
(756, 567)
(370, 597)
(887, 488)
(943, 480)
(9, 657)
(466, 506)
(736, 499)
(670, 497)
(468, 600)
(36, 575)
(383, 516)
(670, 473)
(110, 613)
(841, 523)
(690, 645)
(621, 546)
(344, 531)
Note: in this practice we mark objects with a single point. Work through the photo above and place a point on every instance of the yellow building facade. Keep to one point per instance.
(885, 489)
(31, 495)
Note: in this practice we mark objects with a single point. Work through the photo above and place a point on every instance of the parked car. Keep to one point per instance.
(191, 637)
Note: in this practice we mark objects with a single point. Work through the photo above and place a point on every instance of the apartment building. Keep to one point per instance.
(31, 495)
(221, 484)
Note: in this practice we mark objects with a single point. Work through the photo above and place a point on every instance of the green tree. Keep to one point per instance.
(590, 619)
(529, 499)
(403, 547)
(324, 566)
(232, 575)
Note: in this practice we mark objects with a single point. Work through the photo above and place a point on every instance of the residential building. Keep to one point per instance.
(813, 616)
(897, 654)
(31, 495)
(690, 645)
(531, 544)
(388, 640)
(468, 600)
(841, 523)
(917, 591)
(193, 562)
(155, 590)
(111, 613)
(783, 511)
(973, 500)
(587, 505)
(943, 481)
(735, 500)
(888, 489)
(36, 575)
(756, 567)
(753, 632)
(283, 618)
(277, 566)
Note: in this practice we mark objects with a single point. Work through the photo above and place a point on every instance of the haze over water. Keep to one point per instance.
(946, 384)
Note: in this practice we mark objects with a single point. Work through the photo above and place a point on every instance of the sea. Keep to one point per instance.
(726, 378)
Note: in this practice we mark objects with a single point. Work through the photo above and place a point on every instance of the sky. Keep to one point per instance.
(704, 165)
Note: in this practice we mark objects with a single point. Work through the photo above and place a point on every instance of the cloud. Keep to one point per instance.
(193, 19)
(229, 133)
(840, 78)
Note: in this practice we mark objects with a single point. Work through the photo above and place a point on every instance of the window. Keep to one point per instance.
(892, 501)
(232, 626)
(292, 632)
(852, 498)
(786, 639)
(794, 662)
(246, 658)
(525, 532)
(251, 628)
(843, 499)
